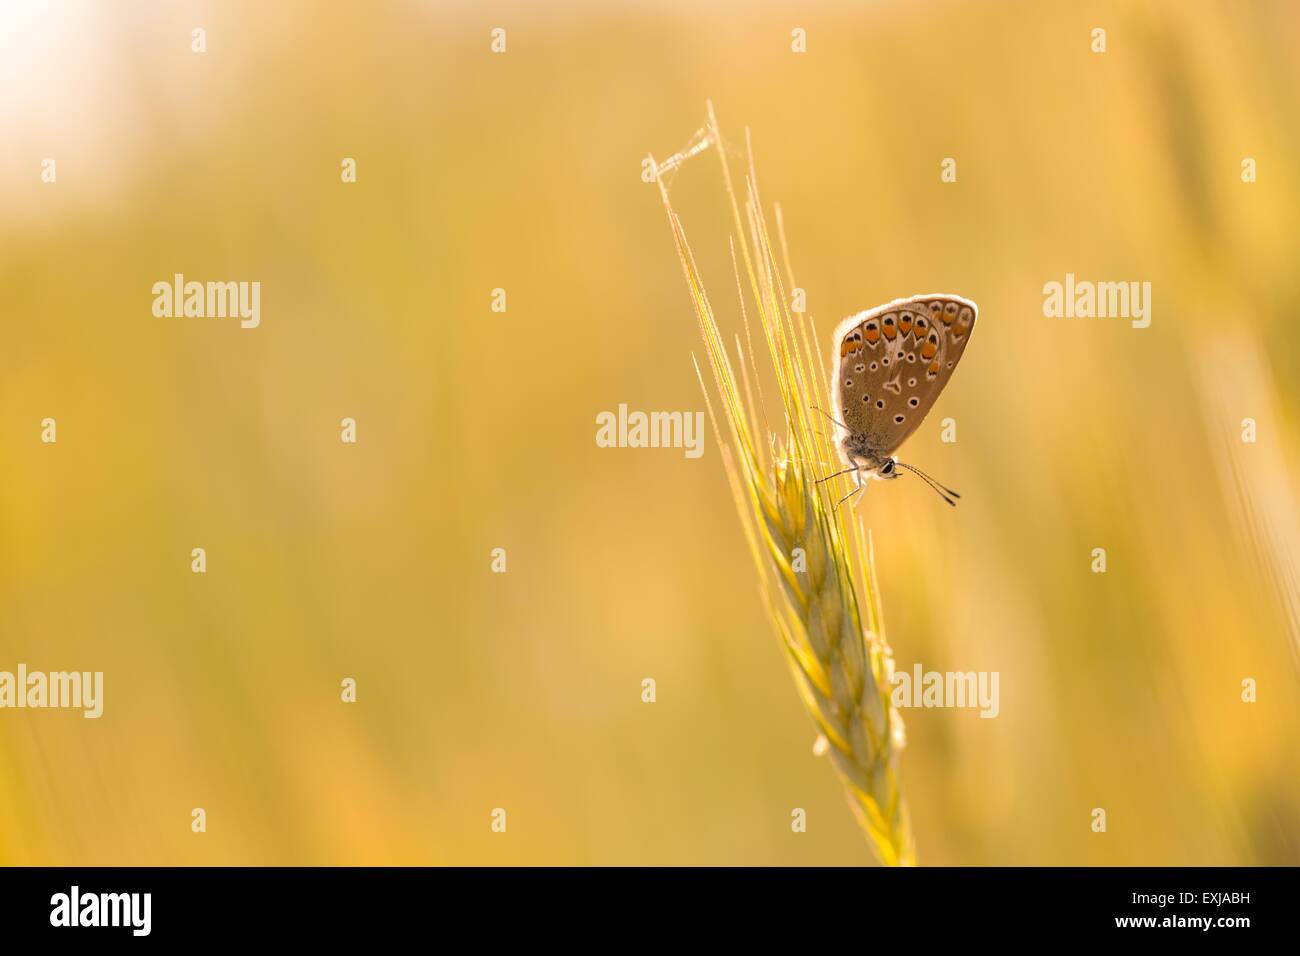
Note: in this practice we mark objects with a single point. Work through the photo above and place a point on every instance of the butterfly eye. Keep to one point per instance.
(888, 468)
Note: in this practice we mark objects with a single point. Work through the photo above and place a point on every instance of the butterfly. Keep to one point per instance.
(891, 363)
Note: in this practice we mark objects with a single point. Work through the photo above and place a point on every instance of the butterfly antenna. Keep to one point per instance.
(913, 468)
(941, 490)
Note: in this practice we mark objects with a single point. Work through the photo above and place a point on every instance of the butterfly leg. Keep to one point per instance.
(836, 475)
(862, 486)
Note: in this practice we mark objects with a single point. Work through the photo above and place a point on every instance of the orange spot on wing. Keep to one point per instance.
(928, 350)
(933, 369)
(873, 335)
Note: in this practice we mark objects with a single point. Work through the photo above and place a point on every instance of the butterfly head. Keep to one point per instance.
(865, 459)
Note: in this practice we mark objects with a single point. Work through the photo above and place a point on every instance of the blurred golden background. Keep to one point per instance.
(476, 429)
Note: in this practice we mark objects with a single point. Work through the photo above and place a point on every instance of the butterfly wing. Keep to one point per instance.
(893, 361)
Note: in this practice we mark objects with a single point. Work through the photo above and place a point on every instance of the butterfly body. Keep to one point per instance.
(891, 363)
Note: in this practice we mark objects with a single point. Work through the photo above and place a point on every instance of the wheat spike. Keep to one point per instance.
(809, 556)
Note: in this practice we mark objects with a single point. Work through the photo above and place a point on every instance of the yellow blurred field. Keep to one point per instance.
(476, 429)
